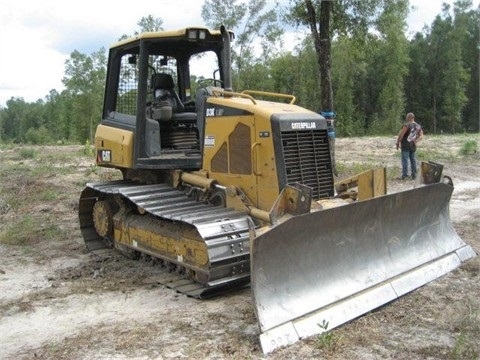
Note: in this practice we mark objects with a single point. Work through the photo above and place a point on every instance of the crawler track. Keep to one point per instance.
(154, 208)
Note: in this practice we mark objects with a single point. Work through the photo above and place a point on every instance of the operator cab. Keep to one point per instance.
(152, 80)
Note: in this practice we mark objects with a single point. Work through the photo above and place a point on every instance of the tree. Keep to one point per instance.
(316, 15)
(417, 92)
(149, 23)
(84, 81)
(19, 117)
(326, 18)
(467, 25)
(349, 56)
(448, 76)
(393, 53)
(2, 121)
(454, 86)
(291, 74)
(13, 124)
(258, 36)
(146, 24)
(57, 116)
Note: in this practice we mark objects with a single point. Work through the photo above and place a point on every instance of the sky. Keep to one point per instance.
(38, 36)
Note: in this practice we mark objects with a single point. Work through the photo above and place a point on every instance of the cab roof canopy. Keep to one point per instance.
(192, 40)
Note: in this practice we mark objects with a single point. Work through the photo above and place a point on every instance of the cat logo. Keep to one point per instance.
(104, 156)
(303, 125)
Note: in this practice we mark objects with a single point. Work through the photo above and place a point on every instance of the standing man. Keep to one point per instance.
(409, 135)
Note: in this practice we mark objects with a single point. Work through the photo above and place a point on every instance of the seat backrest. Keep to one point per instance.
(164, 91)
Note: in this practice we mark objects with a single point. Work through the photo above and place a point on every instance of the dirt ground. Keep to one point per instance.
(59, 302)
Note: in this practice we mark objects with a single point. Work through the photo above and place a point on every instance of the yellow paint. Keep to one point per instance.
(261, 185)
(176, 242)
(119, 142)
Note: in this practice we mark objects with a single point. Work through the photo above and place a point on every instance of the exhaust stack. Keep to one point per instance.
(226, 59)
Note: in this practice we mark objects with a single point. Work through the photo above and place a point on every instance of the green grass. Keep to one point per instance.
(467, 326)
(49, 195)
(326, 340)
(27, 153)
(30, 195)
(346, 170)
(30, 230)
(20, 232)
(469, 147)
(464, 348)
(351, 169)
(430, 154)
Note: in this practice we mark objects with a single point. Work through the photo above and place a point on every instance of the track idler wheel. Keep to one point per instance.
(102, 213)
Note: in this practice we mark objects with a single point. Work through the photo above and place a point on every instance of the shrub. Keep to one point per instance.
(27, 153)
(38, 136)
(469, 147)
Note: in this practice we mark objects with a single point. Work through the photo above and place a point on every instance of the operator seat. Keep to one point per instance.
(178, 130)
(164, 92)
(165, 96)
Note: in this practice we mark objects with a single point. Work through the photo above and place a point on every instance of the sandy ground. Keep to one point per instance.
(59, 302)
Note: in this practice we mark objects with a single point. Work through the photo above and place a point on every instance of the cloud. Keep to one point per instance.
(28, 66)
(37, 37)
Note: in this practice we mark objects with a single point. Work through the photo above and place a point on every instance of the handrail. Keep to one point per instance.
(218, 92)
(247, 94)
(265, 93)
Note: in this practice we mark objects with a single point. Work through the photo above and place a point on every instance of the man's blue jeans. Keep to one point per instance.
(409, 157)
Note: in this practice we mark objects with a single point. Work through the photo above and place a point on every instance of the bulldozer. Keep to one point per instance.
(230, 189)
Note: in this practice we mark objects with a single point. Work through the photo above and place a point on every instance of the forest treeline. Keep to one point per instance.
(379, 69)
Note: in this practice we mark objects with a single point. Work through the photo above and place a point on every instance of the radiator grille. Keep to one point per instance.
(307, 160)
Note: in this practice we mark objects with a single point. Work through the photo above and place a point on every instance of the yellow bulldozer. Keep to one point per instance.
(226, 189)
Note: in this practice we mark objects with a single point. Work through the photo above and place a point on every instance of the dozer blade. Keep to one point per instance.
(331, 266)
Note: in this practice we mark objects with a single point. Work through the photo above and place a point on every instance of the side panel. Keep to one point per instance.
(265, 161)
(114, 147)
(233, 153)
